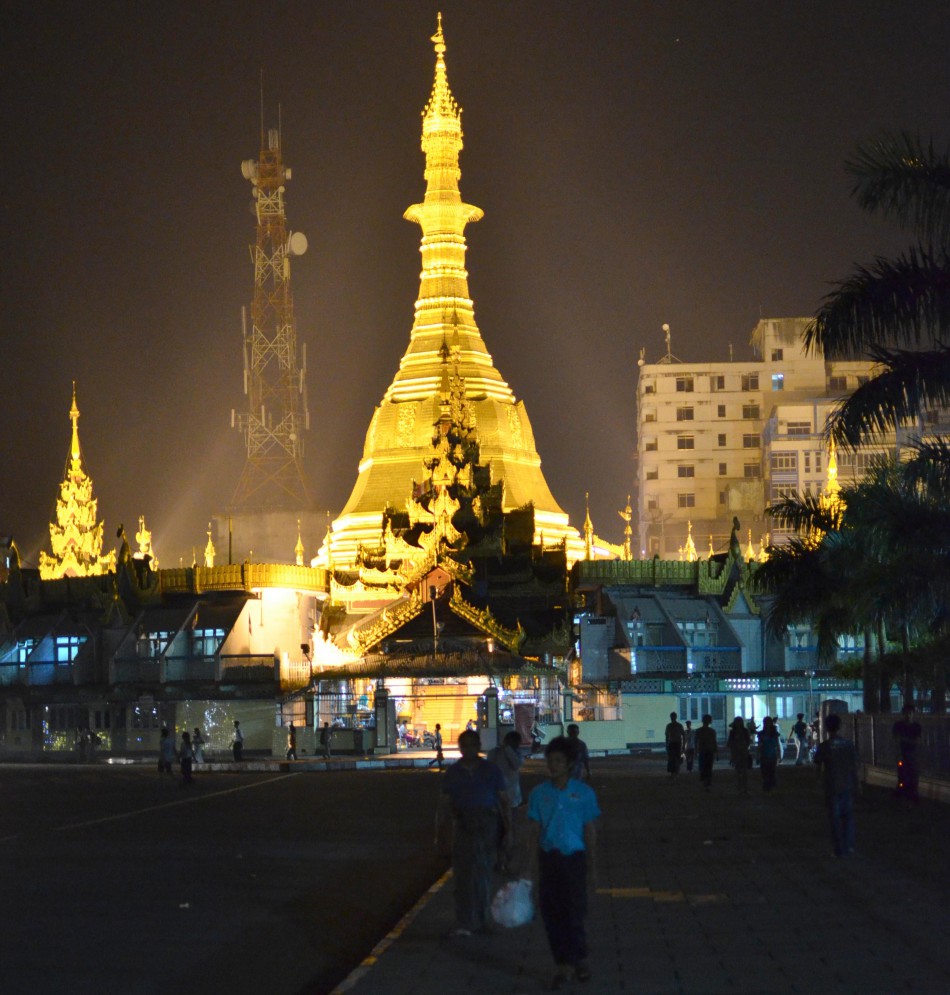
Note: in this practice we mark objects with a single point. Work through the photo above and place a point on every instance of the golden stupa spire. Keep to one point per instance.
(830, 497)
(75, 537)
(209, 549)
(399, 437)
(588, 529)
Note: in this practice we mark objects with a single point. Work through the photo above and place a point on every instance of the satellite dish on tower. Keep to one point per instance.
(297, 243)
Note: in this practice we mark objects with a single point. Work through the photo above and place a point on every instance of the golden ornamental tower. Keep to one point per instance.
(400, 433)
(75, 536)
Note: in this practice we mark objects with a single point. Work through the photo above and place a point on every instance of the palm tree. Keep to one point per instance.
(881, 564)
(895, 311)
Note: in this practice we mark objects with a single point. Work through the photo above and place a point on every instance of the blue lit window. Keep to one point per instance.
(778, 381)
(67, 647)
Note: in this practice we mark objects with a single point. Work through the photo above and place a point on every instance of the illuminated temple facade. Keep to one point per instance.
(399, 439)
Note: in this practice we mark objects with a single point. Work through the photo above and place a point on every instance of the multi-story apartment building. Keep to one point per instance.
(718, 441)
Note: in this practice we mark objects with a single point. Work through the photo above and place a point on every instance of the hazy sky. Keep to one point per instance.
(638, 163)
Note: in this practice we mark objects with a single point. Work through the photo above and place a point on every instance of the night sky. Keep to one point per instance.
(638, 163)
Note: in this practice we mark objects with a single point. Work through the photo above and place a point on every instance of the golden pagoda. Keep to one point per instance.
(399, 438)
(75, 536)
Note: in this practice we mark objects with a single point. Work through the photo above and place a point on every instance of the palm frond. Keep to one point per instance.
(804, 513)
(909, 383)
(905, 301)
(900, 177)
(929, 465)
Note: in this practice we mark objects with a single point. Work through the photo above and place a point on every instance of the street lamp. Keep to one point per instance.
(810, 674)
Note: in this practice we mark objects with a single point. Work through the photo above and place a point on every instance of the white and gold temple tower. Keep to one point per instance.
(400, 433)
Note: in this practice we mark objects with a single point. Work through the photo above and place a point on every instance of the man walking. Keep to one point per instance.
(581, 769)
(237, 744)
(561, 816)
(475, 800)
(707, 747)
(675, 735)
(326, 735)
(839, 765)
(800, 732)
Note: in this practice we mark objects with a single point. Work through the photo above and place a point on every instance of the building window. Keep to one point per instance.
(684, 384)
(785, 492)
(650, 446)
(687, 470)
(67, 647)
(784, 462)
(817, 462)
(722, 469)
(722, 440)
(721, 411)
(751, 470)
(778, 381)
(717, 383)
(24, 648)
(722, 497)
(750, 442)
(653, 504)
(750, 411)
(649, 416)
(653, 474)
(686, 442)
(837, 384)
(778, 355)
(807, 462)
(686, 500)
(799, 428)
(684, 414)
(649, 388)
(750, 381)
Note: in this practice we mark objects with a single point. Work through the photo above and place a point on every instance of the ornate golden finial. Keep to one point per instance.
(627, 516)
(712, 552)
(74, 418)
(438, 37)
(750, 549)
(209, 549)
(588, 529)
(764, 548)
(298, 549)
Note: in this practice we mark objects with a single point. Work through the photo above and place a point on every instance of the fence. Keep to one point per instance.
(876, 744)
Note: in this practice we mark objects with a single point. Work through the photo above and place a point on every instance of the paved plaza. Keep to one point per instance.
(284, 881)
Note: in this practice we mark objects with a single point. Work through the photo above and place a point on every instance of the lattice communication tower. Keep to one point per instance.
(275, 386)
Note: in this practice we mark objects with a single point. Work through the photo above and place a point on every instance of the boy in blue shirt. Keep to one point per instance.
(561, 820)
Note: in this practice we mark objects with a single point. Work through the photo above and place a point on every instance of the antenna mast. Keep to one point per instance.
(276, 413)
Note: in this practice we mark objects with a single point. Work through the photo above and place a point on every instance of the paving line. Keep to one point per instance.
(358, 973)
(158, 808)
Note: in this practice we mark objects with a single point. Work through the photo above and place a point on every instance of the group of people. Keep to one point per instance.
(482, 808)
(689, 745)
(189, 753)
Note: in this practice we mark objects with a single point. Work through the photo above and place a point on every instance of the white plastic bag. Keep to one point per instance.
(512, 905)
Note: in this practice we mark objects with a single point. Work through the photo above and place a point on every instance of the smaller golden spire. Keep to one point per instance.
(627, 516)
(298, 549)
(712, 552)
(74, 418)
(750, 549)
(209, 549)
(588, 529)
(689, 550)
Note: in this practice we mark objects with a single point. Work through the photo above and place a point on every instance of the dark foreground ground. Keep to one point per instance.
(114, 879)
